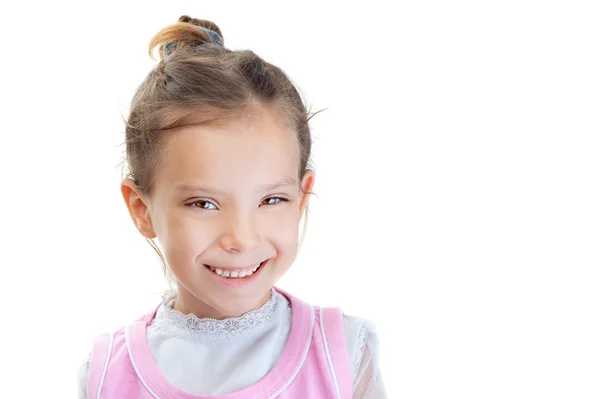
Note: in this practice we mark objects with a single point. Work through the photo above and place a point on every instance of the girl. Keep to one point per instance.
(218, 146)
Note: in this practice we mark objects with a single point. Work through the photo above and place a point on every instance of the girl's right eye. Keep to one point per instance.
(202, 206)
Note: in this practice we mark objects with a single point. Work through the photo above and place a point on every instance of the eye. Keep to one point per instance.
(280, 199)
(202, 206)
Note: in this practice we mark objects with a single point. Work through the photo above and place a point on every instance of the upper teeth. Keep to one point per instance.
(235, 273)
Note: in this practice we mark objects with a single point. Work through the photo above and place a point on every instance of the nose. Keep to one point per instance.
(239, 234)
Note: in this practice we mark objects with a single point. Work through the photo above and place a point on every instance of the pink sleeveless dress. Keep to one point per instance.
(314, 363)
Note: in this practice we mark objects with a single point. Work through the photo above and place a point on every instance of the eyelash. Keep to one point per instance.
(191, 204)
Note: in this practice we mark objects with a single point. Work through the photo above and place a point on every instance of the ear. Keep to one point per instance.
(307, 184)
(138, 209)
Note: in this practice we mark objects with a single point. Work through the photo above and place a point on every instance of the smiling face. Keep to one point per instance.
(226, 198)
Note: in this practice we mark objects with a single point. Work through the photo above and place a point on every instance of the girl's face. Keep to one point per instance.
(227, 198)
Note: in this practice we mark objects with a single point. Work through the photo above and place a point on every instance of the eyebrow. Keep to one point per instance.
(264, 187)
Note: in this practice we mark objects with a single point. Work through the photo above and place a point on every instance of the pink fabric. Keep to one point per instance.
(314, 363)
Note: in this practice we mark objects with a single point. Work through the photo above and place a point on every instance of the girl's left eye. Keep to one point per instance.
(280, 199)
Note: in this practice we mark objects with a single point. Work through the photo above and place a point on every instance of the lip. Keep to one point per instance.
(240, 282)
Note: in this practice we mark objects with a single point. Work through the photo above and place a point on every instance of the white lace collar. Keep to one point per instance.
(211, 331)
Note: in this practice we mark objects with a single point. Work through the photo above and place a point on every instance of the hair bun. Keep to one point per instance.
(187, 32)
(203, 23)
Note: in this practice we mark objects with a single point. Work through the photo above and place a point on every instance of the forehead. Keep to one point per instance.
(250, 150)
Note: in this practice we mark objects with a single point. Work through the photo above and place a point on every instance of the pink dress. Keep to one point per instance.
(314, 363)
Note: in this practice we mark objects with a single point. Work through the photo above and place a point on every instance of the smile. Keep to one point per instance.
(235, 273)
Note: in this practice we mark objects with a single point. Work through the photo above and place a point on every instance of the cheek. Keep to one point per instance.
(283, 232)
(184, 238)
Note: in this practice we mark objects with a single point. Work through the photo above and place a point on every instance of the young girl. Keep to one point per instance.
(218, 146)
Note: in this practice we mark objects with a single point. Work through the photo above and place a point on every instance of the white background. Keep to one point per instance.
(457, 180)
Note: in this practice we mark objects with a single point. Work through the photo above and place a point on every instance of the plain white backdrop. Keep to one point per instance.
(457, 179)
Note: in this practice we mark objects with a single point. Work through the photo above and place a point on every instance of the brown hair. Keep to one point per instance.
(201, 82)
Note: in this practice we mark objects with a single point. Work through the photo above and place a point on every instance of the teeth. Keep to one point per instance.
(235, 273)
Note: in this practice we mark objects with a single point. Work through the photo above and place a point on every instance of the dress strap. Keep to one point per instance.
(333, 334)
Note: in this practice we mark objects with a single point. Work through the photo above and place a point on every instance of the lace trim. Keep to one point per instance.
(211, 331)
(360, 349)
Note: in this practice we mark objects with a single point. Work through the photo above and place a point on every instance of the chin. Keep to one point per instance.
(235, 305)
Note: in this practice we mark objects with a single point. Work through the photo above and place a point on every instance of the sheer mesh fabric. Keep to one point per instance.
(368, 382)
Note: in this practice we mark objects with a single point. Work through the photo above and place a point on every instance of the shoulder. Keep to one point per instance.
(356, 326)
(360, 333)
(361, 339)
(82, 376)
(363, 347)
(102, 345)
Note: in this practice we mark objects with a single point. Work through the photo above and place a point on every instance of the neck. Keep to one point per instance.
(188, 303)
